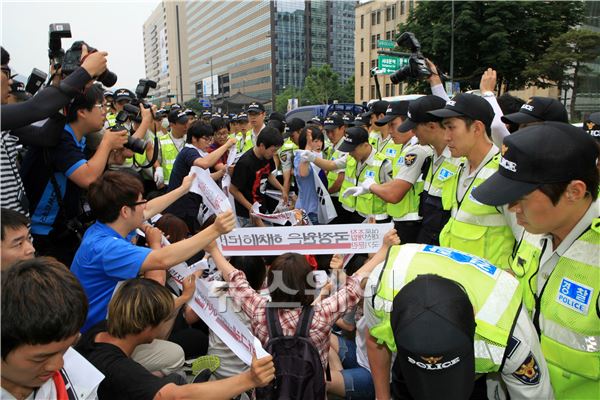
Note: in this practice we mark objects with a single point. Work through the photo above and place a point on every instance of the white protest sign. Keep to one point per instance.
(326, 210)
(278, 218)
(305, 239)
(212, 194)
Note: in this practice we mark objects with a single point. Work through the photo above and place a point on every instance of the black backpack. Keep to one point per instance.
(298, 370)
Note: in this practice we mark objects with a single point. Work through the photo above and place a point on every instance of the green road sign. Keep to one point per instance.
(386, 44)
(388, 64)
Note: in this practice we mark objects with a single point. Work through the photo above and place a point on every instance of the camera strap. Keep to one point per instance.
(154, 155)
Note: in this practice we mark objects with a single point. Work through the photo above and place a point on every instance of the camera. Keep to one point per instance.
(134, 144)
(72, 61)
(417, 65)
(144, 85)
(55, 52)
(35, 81)
(141, 91)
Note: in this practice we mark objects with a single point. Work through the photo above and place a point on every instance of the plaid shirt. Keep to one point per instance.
(325, 314)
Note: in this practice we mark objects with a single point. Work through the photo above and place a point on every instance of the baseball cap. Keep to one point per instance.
(333, 121)
(538, 109)
(108, 93)
(275, 115)
(17, 89)
(433, 324)
(361, 119)
(178, 117)
(592, 125)
(316, 120)
(354, 136)
(206, 114)
(551, 152)
(418, 112)
(242, 117)
(395, 109)
(123, 94)
(378, 107)
(255, 108)
(295, 124)
(190, 112)
(467, 105)
(348, 119)
(175, 107)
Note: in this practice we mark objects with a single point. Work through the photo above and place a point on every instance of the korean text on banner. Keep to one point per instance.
(212, 194)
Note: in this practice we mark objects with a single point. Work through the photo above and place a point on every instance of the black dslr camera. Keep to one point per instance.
(70, 60)
(134, 144)
(141, 91)
(417, 65)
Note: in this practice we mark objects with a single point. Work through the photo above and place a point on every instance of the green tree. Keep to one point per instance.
(505, 35)
(281, 100)
(346, 94)
(321, 85)
(194, 105)
(564, 61)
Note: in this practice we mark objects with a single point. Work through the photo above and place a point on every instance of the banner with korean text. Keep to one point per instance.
(309, 239)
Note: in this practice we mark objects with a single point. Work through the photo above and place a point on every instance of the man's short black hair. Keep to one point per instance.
(12, 219)
(5, 58)
(199, 129)
(217, 124)
(42, 302)
(269, 137)
(92, 96)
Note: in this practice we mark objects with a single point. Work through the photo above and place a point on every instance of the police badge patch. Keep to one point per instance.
(410, 159)
(529, 371)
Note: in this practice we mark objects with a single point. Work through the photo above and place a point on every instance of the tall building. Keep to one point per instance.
(375, 20)
(165, 55)
(588, 96)
(260, 47)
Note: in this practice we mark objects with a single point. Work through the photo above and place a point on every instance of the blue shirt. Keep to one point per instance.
(103, 260)
(307, 192)
(63, 160)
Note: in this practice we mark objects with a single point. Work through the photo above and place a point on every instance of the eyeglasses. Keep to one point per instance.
(7, 71)
(138, 203)
(100, 106)
(207, 138)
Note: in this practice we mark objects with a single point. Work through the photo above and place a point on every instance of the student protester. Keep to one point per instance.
(16, 240)
(251, 172)
(548, 177)
(457, 328)
(294, 270)
(135, 315)
(308, 200)
(479, 229)
(43, 308)
(55, 177)
(287, 151)
(195, 154)
(221, 134)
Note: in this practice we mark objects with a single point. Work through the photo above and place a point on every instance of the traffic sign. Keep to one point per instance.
(388, 64)
(386, 44)
(205, 103)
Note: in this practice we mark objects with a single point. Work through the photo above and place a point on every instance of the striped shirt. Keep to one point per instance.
(11, 184)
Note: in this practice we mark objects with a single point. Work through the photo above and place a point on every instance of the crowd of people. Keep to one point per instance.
(487, 286)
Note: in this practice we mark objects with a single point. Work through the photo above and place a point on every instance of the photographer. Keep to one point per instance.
(46, 103)
(54, 176)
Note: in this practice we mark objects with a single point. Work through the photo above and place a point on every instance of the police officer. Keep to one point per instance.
(592, 125)
(473, 227)
(376, 111)
(170, 146)
(548, 176)
(450, 318)
(402, 193)
(286, 152)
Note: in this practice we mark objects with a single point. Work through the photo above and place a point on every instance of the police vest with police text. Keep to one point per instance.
(474, 227)
(169, 153)
(568, 318)
(494, 294)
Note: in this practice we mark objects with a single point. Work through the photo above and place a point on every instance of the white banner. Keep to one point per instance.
(294, 217)
(326, 211)
(213, 196)
(305, 239)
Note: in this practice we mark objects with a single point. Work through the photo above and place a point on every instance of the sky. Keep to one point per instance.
(115, 27)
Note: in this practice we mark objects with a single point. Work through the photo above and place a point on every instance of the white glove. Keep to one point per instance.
(307, 155)
(354, 191)
(366, 184)
(159, 176)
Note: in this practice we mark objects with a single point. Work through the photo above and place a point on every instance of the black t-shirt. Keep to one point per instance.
(248, 176)
(188, 204)
(124, 378)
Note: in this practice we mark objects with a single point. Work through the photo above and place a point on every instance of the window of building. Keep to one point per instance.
(362, 68)
(362, 92)
(402, 7)
(378, 17)
(393, 90)
(387, 90)
(378, 37)
(372, 91)
(373, 41)
(362, 21)
(362, 44)
(411, 4)
(388, 35)
(393, 34)
(388, 13)
(373, 18)
(393, 12)
(373, 63)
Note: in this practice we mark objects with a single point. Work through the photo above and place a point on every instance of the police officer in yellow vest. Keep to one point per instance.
(171, 144)
(455, 325)
(548, 176)
(240, 134)
(476, 228)
(402, 193)
(435, 162)
(256, 117)
(286, 152)
(363, 162)
(109, 108)
(376, 111)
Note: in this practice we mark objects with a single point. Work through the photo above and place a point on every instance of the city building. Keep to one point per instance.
(165, 52)
(375, 21)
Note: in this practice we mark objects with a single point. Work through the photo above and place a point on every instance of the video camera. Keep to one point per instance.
(70, 60)
(134, 144)
(417, 65)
